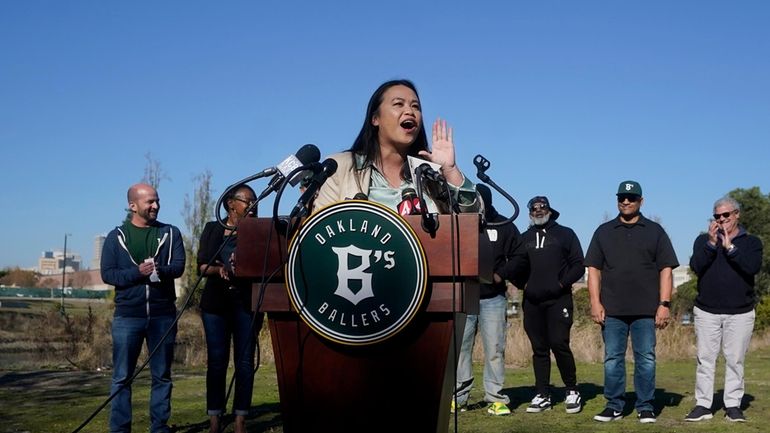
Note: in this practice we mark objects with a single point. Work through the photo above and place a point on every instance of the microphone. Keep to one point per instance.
(306, 154)
(410, 204)
(328, 167)
(429, 173)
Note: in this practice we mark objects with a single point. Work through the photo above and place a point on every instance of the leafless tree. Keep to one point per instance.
(153, 171)
(197, 210)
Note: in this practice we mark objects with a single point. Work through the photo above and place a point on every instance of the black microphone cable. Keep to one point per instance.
(139, 369)
(291, 228)
(186, 303)
(482, 165)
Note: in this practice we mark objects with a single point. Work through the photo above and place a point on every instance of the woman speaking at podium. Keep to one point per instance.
(376, 165)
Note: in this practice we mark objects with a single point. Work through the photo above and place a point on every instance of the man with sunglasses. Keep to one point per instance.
(726, 260)
(630, 262)
(550, 263)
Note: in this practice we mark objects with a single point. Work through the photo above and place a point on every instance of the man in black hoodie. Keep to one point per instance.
(725, 259)
(551, 262)
(490, 322)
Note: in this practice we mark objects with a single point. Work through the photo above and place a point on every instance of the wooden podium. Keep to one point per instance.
(402, 384)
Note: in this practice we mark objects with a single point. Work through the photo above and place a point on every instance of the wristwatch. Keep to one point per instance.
(666, 304)
(731, 248)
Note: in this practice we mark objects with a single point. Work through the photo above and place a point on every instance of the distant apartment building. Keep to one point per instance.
(52, 262)
(98, 245)
(681, 275)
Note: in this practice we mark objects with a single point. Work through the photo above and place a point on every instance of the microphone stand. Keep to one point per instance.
(482, 165)
(429, 222)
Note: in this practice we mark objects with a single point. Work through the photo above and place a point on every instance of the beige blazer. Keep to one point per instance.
(346, 182)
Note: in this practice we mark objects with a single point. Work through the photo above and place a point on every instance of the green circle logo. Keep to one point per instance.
(356, 273)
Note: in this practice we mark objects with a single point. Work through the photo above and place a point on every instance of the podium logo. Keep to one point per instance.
(356, 273)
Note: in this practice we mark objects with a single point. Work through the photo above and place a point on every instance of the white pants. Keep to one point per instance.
(733, 333)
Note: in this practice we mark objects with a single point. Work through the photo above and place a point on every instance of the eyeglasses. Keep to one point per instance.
(537, 207)
(724, 214)
(248, 202)
(633, 198)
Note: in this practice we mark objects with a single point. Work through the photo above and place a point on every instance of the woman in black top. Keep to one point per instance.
(226, 312)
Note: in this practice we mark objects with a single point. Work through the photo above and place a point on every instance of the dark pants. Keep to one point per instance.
(548, 326)
(236, 326)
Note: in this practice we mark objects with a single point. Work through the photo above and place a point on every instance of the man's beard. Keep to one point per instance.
(540, 221)
(149, 217)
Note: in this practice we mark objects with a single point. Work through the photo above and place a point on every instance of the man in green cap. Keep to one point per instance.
(630, 262)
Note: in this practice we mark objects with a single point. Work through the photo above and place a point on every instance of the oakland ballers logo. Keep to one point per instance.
(356, 273)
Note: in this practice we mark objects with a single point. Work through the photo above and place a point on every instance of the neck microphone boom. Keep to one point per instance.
(307, 154)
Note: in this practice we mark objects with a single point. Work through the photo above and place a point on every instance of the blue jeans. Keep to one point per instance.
(128, 335)
(615, 333)
(220, 329)
(491, 324)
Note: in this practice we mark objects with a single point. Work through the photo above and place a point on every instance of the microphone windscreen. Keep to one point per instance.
(308, 153)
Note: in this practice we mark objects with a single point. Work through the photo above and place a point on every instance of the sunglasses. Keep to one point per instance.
(537, 207)
(630, 197)
(724, 214)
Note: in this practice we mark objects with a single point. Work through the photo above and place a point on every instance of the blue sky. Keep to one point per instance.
(566, 99)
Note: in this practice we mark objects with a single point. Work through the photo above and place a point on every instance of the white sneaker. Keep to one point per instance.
(539, 403)
(573, 403)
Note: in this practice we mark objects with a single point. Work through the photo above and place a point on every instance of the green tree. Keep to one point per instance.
(196, 212)
(684, 297)
(755, 217)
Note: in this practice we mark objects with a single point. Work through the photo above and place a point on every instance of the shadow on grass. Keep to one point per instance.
(261, 418)
(522, 395)
(718, 402)
(54, 386)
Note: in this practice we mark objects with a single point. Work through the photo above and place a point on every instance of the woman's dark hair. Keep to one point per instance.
(233, 192)
(366, 143)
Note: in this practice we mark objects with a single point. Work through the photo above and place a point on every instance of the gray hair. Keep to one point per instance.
(729, 201)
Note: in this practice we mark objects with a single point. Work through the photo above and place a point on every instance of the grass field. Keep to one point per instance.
(49, 397)
(58, 401)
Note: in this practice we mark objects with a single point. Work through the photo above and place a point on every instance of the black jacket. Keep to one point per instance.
(220, 296)
(505, 240)
(726, 279)
(549, 261)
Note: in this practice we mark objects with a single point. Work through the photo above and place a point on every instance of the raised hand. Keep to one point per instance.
(443, 152)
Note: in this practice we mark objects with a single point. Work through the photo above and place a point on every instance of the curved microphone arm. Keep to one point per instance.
(314, 167)
(482, 165)
(252, 208)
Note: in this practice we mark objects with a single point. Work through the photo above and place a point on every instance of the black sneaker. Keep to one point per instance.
(608, 415)
(647, 416)
(540, 403)
(698, 413)
(734, 414)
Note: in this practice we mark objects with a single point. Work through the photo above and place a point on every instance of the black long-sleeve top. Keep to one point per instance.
(726, 279)
(505, 239)
(549, 259)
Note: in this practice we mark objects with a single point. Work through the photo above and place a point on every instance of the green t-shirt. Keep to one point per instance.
(142, 242)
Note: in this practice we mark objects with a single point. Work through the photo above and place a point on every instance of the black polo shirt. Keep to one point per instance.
(630, 258)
